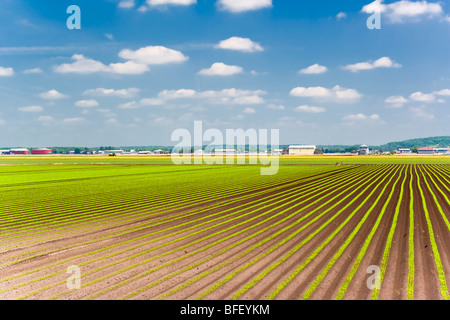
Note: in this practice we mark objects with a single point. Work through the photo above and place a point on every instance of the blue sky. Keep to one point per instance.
(138, 70)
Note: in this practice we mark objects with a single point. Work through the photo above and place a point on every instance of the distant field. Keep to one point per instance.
(166, 160)
(225, 232)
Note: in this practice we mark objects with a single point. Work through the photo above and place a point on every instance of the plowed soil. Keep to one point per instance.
(300, 239)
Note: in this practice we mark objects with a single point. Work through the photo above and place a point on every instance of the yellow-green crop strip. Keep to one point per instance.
(248, 286)
(257, 203)
(369, 238)
(231, 260)
(319, 249)
(437, 258)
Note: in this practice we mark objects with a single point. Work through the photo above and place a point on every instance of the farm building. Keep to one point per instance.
(41, 151)
(277, 152)
(19, 151)
(364, 150)
(404, 150)
(425, 151)
(301, 150)
(441, 150)
(4, 152)
(223, 152)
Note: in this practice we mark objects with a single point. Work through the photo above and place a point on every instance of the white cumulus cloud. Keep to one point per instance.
(87, 103)
(226, 96)
(422, 97)
(32, 71)
(249, 111)
(361, 117)
(336, 94)
(396, 101)
(237, 6)
(221, 69)
(121, 93)
(384, 62)
(153, 55)
(239, 44)
(52, 95)
(314, 69)
(405, 10)
(154, 3)
(31, 109)
(6, 72)
(310, 109)
(127, 4)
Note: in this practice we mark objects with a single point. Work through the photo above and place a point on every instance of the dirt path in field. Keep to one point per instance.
(223, 253)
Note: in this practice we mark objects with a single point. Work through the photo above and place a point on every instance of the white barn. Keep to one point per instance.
(301, 150)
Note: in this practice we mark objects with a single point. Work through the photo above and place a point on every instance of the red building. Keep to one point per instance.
(19, 151)
(41, 151)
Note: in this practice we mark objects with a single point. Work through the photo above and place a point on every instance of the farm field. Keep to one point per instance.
(225, 232)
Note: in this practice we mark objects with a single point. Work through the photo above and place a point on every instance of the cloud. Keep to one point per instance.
(422, 97)
(249, 111)
(239, 44)
(276, 107)
(177, 94)
(314, 69)
(405, 10)
(46, 120)
(225, 96)
(257, 73)
(87, 103)
(443, 92)
(396, 101)
(147, 102)
(360, 117)
(337, 94)
(109, 36)
(153, 55)
(138, 61)
(73, 120)
(32, 71)
(126, 4)
(52, 95)
(341, 15)
(111, 121)
(237, 6)
(420, 112)
(81, 65)
(310, 109)
(31, 109)
(384, 62)
(121, 93)
(255, 99)
(221, 69)
(154, 3)
(130, 105)
(129, 67)
(6, 72)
